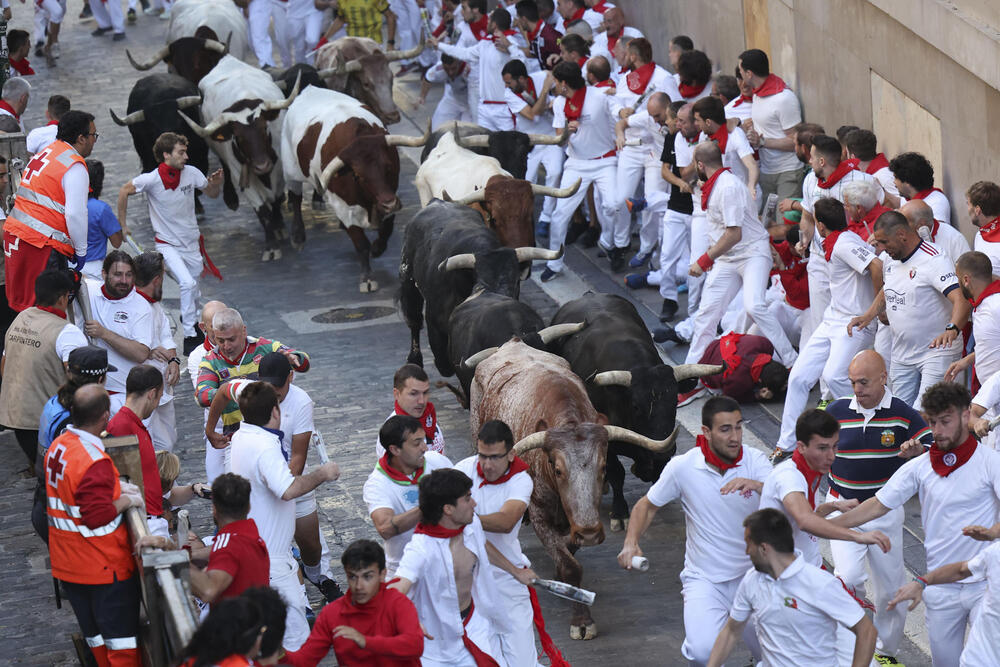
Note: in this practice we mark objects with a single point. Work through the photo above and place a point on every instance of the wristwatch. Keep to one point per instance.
(175, 360)
(951, 327)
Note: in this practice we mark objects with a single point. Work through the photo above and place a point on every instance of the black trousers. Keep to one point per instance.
(28, 442)
(107, 612)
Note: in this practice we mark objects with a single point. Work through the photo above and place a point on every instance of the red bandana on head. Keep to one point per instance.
(437, 531)
(171, 177)
(991, 289)
(638, 79)
(21, 67)
(516, 466)
(706, 190)
(478, 28)
(880, 162)
(428, 419)
(844, 168)
(720, 137)
(772, 86)
(991, 231)
(945, 463)
(813, 478)
(574, 105)
(712, 458)
(688, 91)
(829, 242)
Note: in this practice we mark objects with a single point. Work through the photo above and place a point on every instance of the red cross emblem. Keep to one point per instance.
(55, 465)
(35, 165)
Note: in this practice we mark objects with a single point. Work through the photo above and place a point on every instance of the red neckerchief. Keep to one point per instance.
(772, 86)
(945, 463)
(236, 362)
(713, 459)
(607, 83)
(934, 230)
(479, 656)
(479, 28)
(396, 476)
(873, 215)
(742, 99)
(107, 296)
(812, 477)
(845, 167)
(923, 193)
(146, 296)
(55, 122)
(574, 105)
(613, 40)
(532, 34)
(879, 162)
(437, 530)
(706, 190)
(171, 177)
(688, 91)
(829, 242)
(530, 88)
(638, 79)
(506, 32)
(428, 419)
(577, 15)
(21, 66)
(757, 367)
(581, 61)
(721, 137)
(207, 345)
(600, 7)
(516, 466)
(53, 310)
(7, 107)
(991, 289)
(991, 231)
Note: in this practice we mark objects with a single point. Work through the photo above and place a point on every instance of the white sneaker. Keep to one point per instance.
(165, 16)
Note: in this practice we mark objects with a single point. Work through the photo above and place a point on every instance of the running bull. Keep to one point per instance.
(221, 21)
(189, 57)
(509, 147)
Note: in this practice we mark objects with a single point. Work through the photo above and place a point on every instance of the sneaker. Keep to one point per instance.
(668, 311)
(636, 281)
(118, 36)
(640, 259)
(131, 16)
(617, 259)
(887, 660)
(86, 13)
(548, 274)
(667, 334)
(635, 204)
(823, 403)
(779, 455)
(165, 15)
(100, 31)
(329, 588)
(690, 396)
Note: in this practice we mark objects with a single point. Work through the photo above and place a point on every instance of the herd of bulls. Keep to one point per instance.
(577, 394)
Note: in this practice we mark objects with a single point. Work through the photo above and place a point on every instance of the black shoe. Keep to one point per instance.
(667, 334)
(617, 259)
(329, 588)
(39, 49)
(118, 36)
(548, 274)
(131, 16)
(668, 311)
(589, 238)
(86, 13)
(191, 342)
(100, 31)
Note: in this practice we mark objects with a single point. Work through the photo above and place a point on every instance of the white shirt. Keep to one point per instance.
(713, 522)
(68, 340)
(648, 132)
(171, 212)
(851, 290)
(488, 61)
(130, 317)
(490, 498)
(948, 239)
(938, 202)
(382, 492)
(456, 89)
(436, 446)
(737, 148)
(887, 180)
(966, 497)
(296, 413)
(811, 189)
(76, 185)
(988, 397)
(661, 81)
(163, 337)
(784, 479)
(989, 248)
(986, 331)
(796, 615)
(730, 205)
(542, 123)
(738, 110)
(772, 116)
(600, 45)
(193, 361)
(916, 303)
(981, 647)
(40, 137)
(255, 454)
(595, 136)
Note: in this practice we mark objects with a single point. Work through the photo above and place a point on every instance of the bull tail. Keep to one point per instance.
(463, 400)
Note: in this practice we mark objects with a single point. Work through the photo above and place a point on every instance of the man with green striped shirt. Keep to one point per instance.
(874, 425)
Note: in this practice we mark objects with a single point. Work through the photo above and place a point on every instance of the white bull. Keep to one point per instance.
(222, 16)
(457, 169)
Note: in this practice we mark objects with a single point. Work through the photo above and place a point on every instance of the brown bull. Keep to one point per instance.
(564, 441)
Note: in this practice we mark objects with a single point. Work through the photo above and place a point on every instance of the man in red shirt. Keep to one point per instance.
(371, 625)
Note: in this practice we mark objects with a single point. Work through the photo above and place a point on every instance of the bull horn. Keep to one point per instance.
(466, 260)
(392, 56)
(204, 132)
(336, 164)
(688, 371)
(556, 331)
(478, 357)
(160, 55)
(549, 139)
(477, 196)
(229, 39)
(657, 446)
(188, 101)
(217, 46)
(560, 193)
(403, 140)
(131, 119)
(350, 67)
(529, 442)
(472, 141)
(612, 379)
(277, 105)
(528, 254)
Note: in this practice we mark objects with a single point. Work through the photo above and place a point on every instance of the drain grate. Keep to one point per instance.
(356, 314)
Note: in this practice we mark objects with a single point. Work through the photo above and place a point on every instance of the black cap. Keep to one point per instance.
(89, 360)
(274, 369)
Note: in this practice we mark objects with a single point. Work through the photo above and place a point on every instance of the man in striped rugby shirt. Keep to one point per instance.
(874, 425)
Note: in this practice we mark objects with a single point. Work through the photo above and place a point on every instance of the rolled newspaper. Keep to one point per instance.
(564, 590)
(640, 563)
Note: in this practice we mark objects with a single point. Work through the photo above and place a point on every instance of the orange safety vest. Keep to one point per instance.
(39, 213)
(79, 554)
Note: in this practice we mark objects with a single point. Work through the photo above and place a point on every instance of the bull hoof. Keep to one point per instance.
(584, 632)
(378, 247)
(618, 525)
(368, 285)
(298, 243)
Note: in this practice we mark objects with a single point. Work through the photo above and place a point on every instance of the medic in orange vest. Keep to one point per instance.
(50, 210)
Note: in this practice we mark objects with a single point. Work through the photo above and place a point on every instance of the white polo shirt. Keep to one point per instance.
(595, 136)
(966, 497)
(382, 492)
(171, 212)
(949, 240)
(981, 646)
(986, 331)
(714, 547)
(851, 290)
(916, 303)
(796, 615)
(772, 116)
(130, 317)
(490, 498)
(40, 137)
(730, 205)
(737, 148)
(784, 479)
(542, 123)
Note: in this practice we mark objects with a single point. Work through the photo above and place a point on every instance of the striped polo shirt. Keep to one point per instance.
(868, 451)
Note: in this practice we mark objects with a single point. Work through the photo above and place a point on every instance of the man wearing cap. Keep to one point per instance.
(36, 346)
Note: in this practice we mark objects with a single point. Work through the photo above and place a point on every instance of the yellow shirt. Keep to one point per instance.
(363, 17)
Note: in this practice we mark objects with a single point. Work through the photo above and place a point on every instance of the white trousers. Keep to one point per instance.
(481, 632)
(215, 461)
(827, 354)
(675, 254)
(883, 344)
(517, 646)
(162, 426)
(259, 18)
(93, 269)
(495, 117)
(909, 381)
(110, 15)
(303, 29)
(185, 265)
(887, 574)
(633, 164)
(52, 11)
(706, 610)
(600, 172)
(819, 295)
(451, 107)
(723, 283)
(285, 580)
(699, 244)
(948, 609)
(407, 24)
(551, 157)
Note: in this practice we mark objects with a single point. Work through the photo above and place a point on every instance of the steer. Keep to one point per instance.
(447, 253)
(506, 204)
(509, 147)
(358, 66)
(333, 142)
(221, 21)
(190, 57)
(626, 380)
(246, 107)
(564, 441)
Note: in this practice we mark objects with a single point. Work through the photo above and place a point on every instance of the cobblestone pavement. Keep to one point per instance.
(639, 615)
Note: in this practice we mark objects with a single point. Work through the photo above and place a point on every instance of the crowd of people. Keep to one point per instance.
(819, 259)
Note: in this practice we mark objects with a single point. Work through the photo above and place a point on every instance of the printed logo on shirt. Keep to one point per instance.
(791, 602)
(894, 299)
(224, 374)
(412, 496)
(187, 188)
(913, 273)
(221, 541)
(861, 252)
(121, 316)
(948, 276)
(888, 438)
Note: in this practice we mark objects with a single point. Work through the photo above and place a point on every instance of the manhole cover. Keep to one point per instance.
(358, 314)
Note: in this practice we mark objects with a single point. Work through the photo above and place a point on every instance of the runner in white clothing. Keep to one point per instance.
(958, 483)
(411, 390)
(981, 287)
(170, 193)
(914, 178)
(983, 202)
(149, 271)
(710, 119)
(921, 217)
(454, 102)
(718, 483)
(42, 136)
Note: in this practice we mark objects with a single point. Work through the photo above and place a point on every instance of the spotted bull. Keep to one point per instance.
(221, 21)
